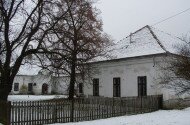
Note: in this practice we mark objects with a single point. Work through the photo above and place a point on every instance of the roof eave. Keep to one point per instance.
(126, 58)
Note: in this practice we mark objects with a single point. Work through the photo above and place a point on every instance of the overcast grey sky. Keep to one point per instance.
(120, 17)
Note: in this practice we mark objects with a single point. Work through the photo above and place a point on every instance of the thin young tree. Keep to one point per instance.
(176, 71)
(79, 38)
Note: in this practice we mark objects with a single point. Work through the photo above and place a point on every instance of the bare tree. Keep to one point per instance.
(176, 71)
(79, 38)
(25, 27)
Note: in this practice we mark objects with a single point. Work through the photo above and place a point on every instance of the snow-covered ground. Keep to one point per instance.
(33, 97)
(162, 117)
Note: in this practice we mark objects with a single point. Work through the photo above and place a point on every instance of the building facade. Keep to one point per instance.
(136, 66)
(132, 70)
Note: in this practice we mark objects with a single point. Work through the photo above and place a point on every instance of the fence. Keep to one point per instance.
(80, 109)
(178, 103)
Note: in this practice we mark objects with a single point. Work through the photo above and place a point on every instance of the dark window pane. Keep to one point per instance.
(95, 87)
(142, 86)
(30, 87)
(16, 86)
(116, 87)
(80, 87)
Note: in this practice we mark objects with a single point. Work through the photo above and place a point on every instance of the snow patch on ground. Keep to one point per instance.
(34, 97)
(162, 117)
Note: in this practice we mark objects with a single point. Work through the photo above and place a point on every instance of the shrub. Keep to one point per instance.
(23, 89)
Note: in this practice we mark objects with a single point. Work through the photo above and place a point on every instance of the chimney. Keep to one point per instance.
(130, 37)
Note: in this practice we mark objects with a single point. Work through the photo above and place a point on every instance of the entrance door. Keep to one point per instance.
(45, 88)
(30, 87)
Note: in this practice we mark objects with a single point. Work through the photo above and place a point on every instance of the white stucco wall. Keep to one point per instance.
(128, 70)
(60, 85)
(57, 85)
(38, 79)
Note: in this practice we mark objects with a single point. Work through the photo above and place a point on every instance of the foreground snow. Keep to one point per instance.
(33, 97)
(162, 117)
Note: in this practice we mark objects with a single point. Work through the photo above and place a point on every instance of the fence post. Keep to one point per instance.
(113, 107)
(55, 112)
(141, 104)
(72, 111)
(5, 112)
(161, 102)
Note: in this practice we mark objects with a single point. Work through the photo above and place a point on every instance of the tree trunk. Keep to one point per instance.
(5, 84)
(5, 89)
(73, 75)
(72, 88)
(4, 104)
(5, 112)
(72, 82)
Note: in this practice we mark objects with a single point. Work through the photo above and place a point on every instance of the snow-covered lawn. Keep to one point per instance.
(33, 97)
(162, 117)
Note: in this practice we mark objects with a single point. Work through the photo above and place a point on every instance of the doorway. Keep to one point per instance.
(45, 89)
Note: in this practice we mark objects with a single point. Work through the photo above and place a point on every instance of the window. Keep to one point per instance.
(80, 87)
(95, 87)
(16, 86)
(142, 86)
(30, 86)
(116, 87)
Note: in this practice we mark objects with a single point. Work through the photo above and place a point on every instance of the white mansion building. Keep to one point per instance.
(133, 69)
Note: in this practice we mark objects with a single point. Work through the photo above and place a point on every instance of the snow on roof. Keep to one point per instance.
(145, 41)
(169, 41)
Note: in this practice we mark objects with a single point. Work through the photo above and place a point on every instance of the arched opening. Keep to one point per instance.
(45, 88)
